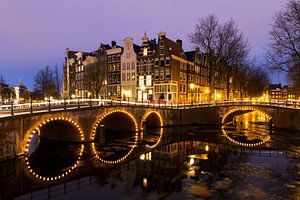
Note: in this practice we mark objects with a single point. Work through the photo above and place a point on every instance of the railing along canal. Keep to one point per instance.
(70, 104)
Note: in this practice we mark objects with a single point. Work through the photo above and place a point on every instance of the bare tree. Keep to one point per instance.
(44, 83)
(96, 73)
(257, 80)
(58, 81)
(283, 53)
(225, 47)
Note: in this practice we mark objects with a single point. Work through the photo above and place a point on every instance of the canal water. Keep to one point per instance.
(244, 159)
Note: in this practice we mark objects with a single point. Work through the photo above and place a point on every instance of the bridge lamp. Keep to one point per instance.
(73, 96)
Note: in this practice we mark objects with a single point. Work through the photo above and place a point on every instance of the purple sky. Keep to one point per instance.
(35, 33)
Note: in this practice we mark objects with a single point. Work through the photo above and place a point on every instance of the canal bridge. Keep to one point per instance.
(84, 119)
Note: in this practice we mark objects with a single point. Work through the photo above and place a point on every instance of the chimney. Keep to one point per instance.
(179, 42)
(113, 44)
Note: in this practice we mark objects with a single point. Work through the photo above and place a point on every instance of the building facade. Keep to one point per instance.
(145, 63)
(157, 71)
(129, 70)
(114, 71)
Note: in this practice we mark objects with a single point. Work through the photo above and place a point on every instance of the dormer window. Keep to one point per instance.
(145, 52)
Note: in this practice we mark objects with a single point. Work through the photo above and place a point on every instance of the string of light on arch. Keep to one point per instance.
(94, 133)
(268, 138)
(161, 129)
(61, 175)
(244, 109)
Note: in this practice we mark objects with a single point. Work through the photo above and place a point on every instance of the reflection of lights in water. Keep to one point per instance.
(145, 182)
(142, 157)
(161, 125)
(192, 161)
(59, 176)
(268, 138)
(135, 136)
(206, 148)
(147, 156)
(243, 121)
(37, 131)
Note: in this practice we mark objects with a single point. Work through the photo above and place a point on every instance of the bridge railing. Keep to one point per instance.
(69, 104)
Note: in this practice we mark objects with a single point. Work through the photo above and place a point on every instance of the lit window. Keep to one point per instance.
(141, 81)
(148, 80)
(145, 53)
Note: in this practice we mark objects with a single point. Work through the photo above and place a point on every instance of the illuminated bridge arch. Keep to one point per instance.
(37, 131)
(100, 120)
(159, 122)
(230, 114)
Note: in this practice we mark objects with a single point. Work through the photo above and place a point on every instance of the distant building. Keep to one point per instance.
(73, 70)
(145, 66)
(129, 69)
(279, 93)
(114, 71)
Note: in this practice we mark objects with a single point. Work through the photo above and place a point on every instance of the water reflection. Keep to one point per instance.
(116, 147)
(47, 164)
(249, 129)
(188, 163)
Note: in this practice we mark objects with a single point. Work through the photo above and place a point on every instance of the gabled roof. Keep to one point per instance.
(190, 55)
(176, 49)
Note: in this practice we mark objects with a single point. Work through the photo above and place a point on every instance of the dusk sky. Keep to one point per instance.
(35, 33)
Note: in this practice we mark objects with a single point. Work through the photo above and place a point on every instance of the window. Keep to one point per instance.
(162, 74)
(161, 51)
(162, 63)
(128, 66)
(168, 76)
(156, 63)
(133, 76)
(141, 81)
(109, 58)
(167, 61)
(123, 66)
(181, 76)
(128, 77)
(123, 77)
(148, 80)
(145, 51)
(156, 74)
(132, 65)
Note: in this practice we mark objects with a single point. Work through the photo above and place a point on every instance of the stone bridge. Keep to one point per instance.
(16, 131)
